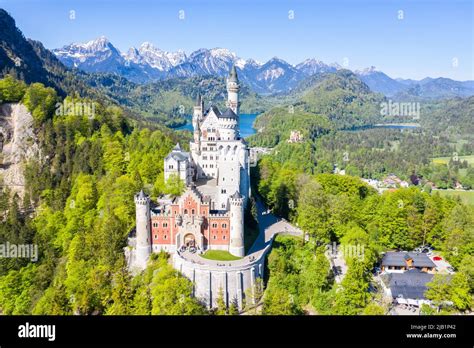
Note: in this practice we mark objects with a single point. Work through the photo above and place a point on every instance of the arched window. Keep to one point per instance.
(185, 211)
(165, 224)
(224, 225)
(192, 212)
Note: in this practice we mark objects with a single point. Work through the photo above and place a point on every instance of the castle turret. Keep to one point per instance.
(197, 118)
(237, 224)
(233, 88)
(143, 232)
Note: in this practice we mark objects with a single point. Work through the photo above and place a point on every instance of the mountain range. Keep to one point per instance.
(149, 63)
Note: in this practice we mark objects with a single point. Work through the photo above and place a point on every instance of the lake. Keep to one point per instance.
(400, 126)
(245, 124)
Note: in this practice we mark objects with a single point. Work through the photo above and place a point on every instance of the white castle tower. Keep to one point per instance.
(233, 88)
(236, 225)
(143, 234)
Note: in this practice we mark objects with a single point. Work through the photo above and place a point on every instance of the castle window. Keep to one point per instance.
(185, 211)
(192, 212)
(224, 225)
(211, 158)
(223, 237)
(223, 205)
(156, 236)
(165, 237)
(170, 166)
(204, 158)
(223, 191)
(214, 237)
(165, 224)
(155, 224)
(223, 179)
(214, 225)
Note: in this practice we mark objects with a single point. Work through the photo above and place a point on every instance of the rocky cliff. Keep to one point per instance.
(18, 144)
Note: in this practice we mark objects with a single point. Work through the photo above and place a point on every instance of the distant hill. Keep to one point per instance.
(413, 90)
(343, 98)
(439, 88)
(454, 116)
(322, 102)
(173, 99)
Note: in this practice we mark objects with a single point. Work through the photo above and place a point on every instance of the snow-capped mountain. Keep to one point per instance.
(313, 66)
(147, 63)
(150, 55)
(380, 82)
(95, 56)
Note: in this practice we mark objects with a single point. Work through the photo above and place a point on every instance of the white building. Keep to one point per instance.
(210, 213)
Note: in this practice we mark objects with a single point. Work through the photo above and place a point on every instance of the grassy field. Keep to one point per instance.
(445, 160)
(467, 197)
(219, 255)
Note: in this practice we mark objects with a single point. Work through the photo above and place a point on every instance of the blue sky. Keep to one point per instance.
(431, 36)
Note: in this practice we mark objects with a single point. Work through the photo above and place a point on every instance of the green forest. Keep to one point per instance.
(82, 191)
(343, 209)
(78, 208)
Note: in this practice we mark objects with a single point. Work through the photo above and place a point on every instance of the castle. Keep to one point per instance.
(209, 215)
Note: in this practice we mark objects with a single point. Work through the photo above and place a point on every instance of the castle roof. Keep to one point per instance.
(229, 113)
(178, 154)
(233, 75)
(141, 194)
(213, 108)
(236, 195)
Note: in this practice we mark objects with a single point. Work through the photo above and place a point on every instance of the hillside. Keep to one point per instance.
(171, 100)
(333, 100)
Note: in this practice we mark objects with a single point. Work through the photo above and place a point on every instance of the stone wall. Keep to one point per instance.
(234, 280)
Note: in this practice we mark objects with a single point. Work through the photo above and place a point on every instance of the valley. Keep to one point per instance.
(166, 128)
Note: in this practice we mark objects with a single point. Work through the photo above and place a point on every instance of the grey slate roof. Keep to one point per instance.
(236, 195)
(178, 156)
(397, 258)
(233, 74)
(410, 284)
(229, 113)
(215, 109)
